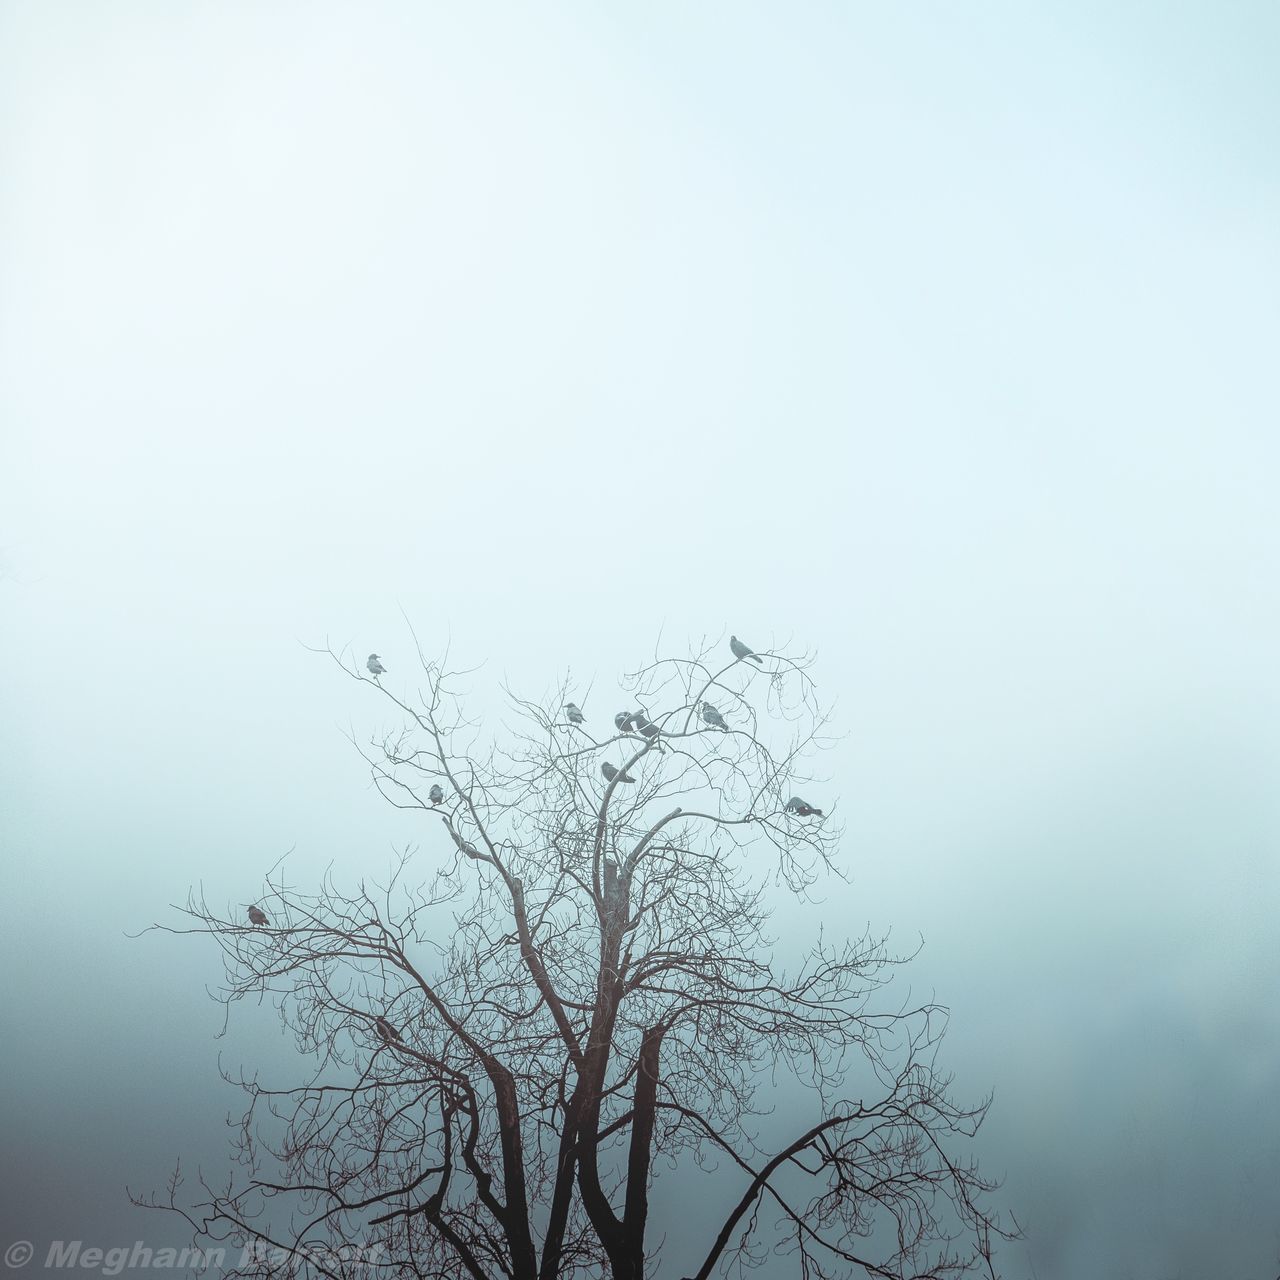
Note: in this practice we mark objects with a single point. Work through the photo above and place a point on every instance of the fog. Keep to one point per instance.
(940, 340)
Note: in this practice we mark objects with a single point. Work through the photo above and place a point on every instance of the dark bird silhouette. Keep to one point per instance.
(575, 716)
(741, 651)
(436, 794)
(713, 717)
(645, 726)
(258, 916)
(610, 773)
(802, 808)
(375, 665)
(386, 1031)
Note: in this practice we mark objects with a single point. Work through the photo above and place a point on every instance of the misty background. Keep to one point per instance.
(940, 339)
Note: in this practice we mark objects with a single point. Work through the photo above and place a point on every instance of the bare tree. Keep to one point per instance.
(494, 1105)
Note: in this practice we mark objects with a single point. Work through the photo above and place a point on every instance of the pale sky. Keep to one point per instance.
(939, 339)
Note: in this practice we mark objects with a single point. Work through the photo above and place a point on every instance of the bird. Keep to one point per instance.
(623, 721)
(645, 726)
(712, 716)
(741, 651)
(386, 1031)
(610, 773)
(258, 916)
(375, 664)
(802, 808)
(575, 716)
(436, 794)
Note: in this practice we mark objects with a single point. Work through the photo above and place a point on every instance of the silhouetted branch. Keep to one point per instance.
(573, 979)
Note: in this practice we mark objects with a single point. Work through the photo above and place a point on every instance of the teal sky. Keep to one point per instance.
(940, 338)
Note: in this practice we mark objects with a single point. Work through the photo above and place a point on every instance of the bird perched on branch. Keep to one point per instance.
(386, 1031)
(741, 651)
(610, 773)
(436, 794)
(802, 808)
(375, 665)
(645, 726)
(571, 710)
(257, 916)
(713, 717)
